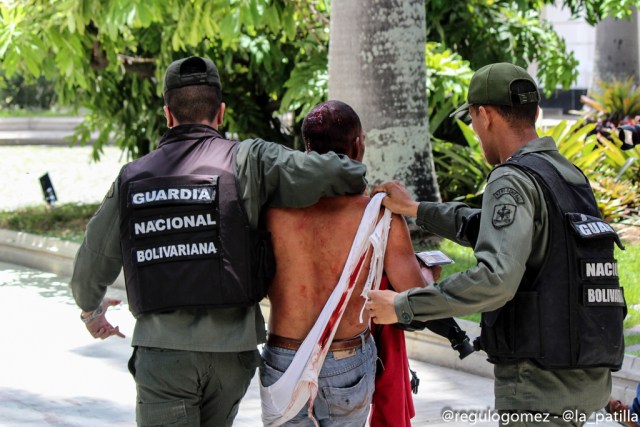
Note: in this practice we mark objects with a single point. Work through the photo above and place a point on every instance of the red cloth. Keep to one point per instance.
(392, 404)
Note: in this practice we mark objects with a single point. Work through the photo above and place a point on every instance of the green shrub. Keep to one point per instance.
(612, 172)
(614, 101)
(461, 170)
(66, 221)
(448, 78)
(604, 164)
(18, 94)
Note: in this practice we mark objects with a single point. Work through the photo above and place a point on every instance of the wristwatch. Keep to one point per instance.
(95, 313)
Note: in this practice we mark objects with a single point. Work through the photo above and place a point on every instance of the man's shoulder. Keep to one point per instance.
(257, 145)
(333, 206)
(511, 176)
(347, 202)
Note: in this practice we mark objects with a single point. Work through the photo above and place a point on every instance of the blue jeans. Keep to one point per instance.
(345, 385)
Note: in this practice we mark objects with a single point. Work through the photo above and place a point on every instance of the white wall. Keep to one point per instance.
(580, 38)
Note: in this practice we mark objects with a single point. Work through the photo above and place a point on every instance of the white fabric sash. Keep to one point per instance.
(298, 385)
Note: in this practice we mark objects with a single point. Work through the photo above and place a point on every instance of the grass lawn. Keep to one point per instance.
(68, 221)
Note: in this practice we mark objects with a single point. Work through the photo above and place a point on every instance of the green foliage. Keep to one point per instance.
(603, 162)
(630, 340)
(576, 144)
(612, 172)
(66, 221)
(109, 57)
(448, 77)
(594, 11)
(479, 32)
(616, 174)
(18, 93)
(614, 102)
(461, 170)
(486, 31)
(625, 164)
(629, 270)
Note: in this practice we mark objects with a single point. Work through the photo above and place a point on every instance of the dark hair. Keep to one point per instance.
(193, 104)
(519, 114)
(331, 126)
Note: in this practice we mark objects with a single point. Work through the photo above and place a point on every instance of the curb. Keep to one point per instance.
(42, 253)
(42, 124)
(57, 256)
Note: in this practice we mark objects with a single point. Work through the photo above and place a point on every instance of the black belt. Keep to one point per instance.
(341, 344)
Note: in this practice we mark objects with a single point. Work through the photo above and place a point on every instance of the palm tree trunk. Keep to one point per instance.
(377, 65)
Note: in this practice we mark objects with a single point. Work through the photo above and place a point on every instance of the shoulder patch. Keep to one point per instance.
(511, 192)
(503, 215)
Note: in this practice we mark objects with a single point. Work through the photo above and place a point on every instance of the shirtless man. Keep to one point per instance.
(311, 247)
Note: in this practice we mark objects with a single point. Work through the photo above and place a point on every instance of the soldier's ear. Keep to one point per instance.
(486, 113)
(168, 116)
(359, 147)
(219, 119)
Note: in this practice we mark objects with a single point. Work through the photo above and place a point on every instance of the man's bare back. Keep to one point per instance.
(311, 247)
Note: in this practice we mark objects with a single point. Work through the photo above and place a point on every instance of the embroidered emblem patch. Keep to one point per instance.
(503, 215)
(511, 192)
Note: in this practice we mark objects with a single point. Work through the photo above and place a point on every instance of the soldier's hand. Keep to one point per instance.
(100, 327)
(381, 308)
(398, 199)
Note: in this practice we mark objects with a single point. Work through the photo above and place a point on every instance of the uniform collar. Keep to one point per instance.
(188, 132)
(546, 143)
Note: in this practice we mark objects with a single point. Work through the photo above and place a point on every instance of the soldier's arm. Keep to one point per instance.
(98, 262)
(281, 177)
(503, 248)
(444, 219)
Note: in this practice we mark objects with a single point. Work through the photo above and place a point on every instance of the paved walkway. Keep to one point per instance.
(74, 176)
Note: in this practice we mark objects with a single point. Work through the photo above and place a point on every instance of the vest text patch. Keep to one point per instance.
(592, 227)
(603, 296)
(172, 195)
(599, 269)
(152, 226)
(207, 249)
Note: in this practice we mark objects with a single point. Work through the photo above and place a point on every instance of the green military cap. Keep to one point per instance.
(491, 85)
(193, 70)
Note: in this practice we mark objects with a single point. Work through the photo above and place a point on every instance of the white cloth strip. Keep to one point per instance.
(298, 385)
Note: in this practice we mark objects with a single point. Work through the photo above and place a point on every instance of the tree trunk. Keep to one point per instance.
(377, 65)
(616, 54)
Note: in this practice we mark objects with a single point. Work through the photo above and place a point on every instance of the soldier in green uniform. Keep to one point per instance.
(542, 376)
(183, 221)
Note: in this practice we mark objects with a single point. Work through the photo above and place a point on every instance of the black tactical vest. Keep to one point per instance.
(570, 312)
(185, 237)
